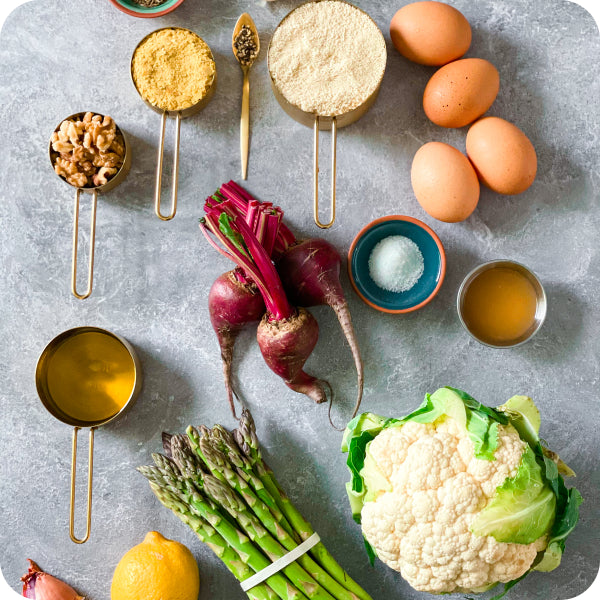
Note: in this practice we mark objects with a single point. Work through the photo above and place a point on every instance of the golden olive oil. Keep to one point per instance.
(499, 305)
(91, 376)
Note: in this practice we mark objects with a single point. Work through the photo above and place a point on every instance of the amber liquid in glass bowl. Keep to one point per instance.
(499, 305)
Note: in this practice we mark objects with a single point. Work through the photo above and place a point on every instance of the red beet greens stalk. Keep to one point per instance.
(246, 206)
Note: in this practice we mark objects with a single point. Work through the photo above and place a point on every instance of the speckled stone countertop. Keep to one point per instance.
(152, 278)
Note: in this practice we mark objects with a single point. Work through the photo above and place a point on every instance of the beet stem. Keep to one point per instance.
(251, 257)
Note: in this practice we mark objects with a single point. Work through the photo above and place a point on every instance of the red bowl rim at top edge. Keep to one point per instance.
(438, 243)
(132, 13)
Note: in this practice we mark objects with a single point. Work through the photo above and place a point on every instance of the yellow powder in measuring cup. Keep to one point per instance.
(91, 376)
(173, 69)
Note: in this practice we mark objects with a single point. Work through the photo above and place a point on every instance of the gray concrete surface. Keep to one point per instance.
(62, 56)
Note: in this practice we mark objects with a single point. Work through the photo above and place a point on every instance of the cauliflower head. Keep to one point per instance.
(422, 525)
(457, 496)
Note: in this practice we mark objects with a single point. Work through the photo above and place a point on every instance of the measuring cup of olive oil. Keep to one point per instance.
(502, 303)
(86, 377)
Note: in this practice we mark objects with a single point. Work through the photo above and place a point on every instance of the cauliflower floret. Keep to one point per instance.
(422, 526)
(392, 449)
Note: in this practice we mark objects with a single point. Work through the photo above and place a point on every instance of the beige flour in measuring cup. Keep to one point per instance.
(327, 58)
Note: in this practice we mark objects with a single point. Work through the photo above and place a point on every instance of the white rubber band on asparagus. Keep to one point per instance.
(280, 563)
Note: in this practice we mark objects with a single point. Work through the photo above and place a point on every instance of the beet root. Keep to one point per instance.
(232, 305)
(286, 345)
(310, 273)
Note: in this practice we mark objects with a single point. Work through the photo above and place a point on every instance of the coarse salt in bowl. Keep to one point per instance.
(396, 263)
(427, 284)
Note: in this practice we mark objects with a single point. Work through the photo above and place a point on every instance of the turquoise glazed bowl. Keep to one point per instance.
(433, 255)
(132, 8)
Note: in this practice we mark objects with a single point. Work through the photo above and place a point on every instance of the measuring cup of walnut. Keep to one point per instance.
(89, 152)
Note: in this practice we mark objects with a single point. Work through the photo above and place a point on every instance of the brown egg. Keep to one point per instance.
(444, 182)
(460, 92)
(430, 33)
(502, 155)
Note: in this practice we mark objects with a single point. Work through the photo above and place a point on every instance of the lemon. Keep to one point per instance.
(156, 569)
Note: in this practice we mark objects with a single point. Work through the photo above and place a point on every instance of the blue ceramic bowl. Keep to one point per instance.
(427, 286)
(132, 8)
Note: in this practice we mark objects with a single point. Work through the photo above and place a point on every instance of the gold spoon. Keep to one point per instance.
(245, 63)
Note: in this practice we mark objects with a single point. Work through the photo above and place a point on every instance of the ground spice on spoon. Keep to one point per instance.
(245, 46)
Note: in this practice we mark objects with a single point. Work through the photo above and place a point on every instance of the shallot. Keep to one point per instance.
(39, 585)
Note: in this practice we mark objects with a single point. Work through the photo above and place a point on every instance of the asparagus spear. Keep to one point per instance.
(167, 476)
(223, 496)
(218, 461)
(207, 534)
(225, 442)
(192, 468)
(190, 463)
(244, 450)
(247, 441)
(245, 493)
(218, 464)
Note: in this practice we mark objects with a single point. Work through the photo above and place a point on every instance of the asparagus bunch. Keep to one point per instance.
(217, 483)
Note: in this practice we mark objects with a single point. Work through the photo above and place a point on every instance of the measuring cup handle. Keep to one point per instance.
(89, 492)
(159, 168)
(75, 244)
(316, 173)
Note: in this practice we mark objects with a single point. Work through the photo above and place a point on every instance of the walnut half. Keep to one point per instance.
(103, 175)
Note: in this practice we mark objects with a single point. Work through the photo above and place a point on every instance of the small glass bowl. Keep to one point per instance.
(541, 301)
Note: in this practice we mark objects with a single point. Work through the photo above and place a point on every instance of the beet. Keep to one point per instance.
(310, 273)
(232, 305)
(286, 335)
(286, 344)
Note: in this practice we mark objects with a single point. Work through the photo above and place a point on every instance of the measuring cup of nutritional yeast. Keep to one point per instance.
(90, 152)
(326, 61)
(174, 72)
(501, 303)
(87, 377)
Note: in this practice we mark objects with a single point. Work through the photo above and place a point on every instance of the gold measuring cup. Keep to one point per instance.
(320, 122)
(118, 178)
(87, 377)
(177, 115)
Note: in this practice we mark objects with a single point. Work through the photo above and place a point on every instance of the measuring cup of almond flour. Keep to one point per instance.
(91, 153)
(87, 377)
(326, 61)
(174, 72)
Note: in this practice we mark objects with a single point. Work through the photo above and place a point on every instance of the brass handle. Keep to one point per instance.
(89, 493)
(245, 124)
(316, 173)
(75, 243)
(159, 168)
